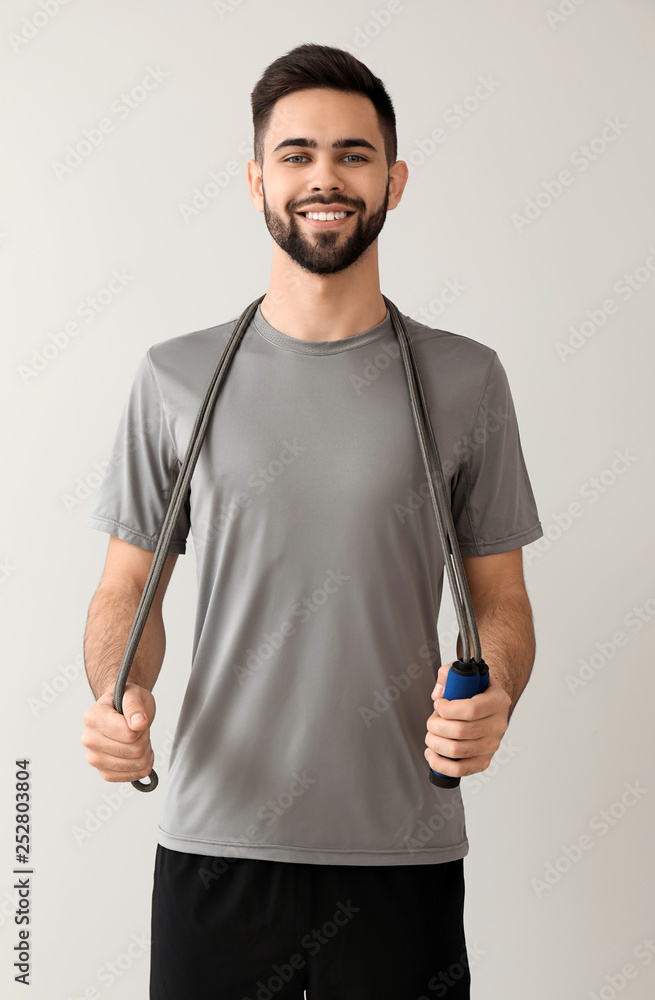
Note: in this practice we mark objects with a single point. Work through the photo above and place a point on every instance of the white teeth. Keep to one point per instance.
(325, 216)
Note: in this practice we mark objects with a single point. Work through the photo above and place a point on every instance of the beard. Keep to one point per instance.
(331, 250)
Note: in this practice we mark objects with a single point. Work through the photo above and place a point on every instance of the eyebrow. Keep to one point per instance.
(337, 144)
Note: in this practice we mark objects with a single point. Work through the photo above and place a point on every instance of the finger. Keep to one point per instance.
(115, 766)
(106, 720)
(456, 768)
(98, 745)
(442, 677)
(477, 707)
(480, 732)
(137, 710)
(110, 775)
(493, 701)
(451, 768)
(457, 729)
(460, 748)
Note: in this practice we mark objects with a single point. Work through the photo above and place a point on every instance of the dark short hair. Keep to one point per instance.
(309, 66)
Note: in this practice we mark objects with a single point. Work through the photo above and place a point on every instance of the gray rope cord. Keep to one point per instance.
(456, 576)
(177, 500)
(462, 597)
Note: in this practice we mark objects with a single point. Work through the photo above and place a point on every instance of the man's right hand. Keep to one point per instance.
(119, 745)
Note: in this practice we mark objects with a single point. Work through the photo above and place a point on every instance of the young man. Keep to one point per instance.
(302, 846)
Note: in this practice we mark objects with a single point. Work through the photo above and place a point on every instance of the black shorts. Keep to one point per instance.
(247, 929)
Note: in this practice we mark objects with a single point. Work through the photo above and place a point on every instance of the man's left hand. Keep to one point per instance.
(470, 728)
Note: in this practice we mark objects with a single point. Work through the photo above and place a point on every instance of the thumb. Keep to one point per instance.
(135, 714)
(442, 675)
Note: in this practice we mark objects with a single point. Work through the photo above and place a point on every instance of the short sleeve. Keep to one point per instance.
(142, 469)
(493, 505)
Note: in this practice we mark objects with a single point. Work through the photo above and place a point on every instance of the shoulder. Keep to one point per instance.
(190, 350)
(181, 367)
(458, 363)
(444, 343)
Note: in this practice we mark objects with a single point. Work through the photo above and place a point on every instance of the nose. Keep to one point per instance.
(325, 176)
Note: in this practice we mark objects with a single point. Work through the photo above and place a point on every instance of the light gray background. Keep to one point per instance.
(566, 756)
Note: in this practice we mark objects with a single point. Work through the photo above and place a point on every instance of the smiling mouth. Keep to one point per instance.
(327, 224)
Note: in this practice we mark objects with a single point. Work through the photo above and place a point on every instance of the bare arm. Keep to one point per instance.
(119, 745)
(464, 734)
(504, 617)
(111, 614)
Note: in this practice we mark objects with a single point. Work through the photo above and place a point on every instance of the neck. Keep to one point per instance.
(319, 307)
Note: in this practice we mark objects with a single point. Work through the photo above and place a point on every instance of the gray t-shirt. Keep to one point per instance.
(301, 735)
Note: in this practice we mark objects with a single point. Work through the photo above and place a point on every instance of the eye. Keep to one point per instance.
(300, 156)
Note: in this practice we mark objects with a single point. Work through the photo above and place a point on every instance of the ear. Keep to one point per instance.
(398, 175)
(255, 185)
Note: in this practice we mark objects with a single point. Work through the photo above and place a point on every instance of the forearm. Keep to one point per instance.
(110, 618)
(507, 640)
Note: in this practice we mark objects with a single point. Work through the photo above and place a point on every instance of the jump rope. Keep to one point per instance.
(467, 676)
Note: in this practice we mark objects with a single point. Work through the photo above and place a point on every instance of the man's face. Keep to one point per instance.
(297, 176)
